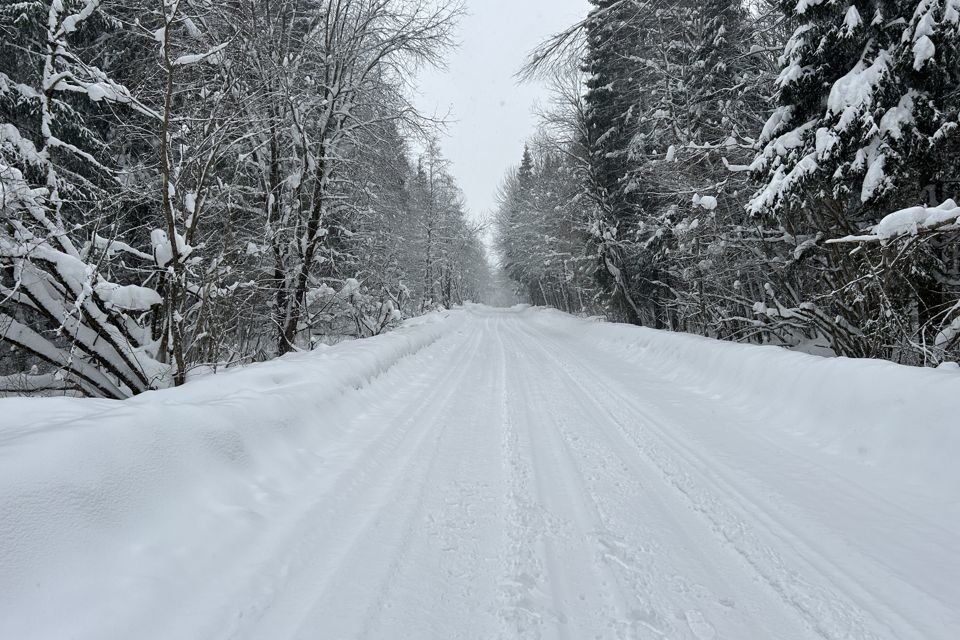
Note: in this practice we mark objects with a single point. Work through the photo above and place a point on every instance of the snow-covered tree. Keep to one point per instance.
(187, 184)
(448, 248)
(543, 227)
(866, 122)
(866, 110)
(322, 74)
(57, 242)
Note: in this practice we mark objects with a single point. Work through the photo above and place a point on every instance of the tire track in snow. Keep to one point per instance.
(649, 587)
(318, 541)
(523, 606)
(779, 485)
(440, 557)
(835, 606)
(536, 593)
(576, 581)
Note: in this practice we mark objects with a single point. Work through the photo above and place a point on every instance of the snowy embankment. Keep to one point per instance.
(88, 480)
(905, 421)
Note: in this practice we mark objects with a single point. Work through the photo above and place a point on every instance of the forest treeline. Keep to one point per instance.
(188, 184)
(778, 172)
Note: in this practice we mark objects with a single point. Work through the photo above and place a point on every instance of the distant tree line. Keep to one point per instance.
(770, 172)
(190, 184)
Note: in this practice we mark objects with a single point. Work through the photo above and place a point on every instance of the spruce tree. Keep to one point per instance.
(867, 112)
(865, 123)
(613, 39)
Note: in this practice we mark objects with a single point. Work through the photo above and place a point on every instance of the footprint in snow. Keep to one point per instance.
(702, 629)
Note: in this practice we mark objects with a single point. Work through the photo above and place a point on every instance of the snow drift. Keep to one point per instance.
(83, 479)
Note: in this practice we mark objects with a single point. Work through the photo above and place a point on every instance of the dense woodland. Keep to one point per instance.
(190, 184)
(783, 173)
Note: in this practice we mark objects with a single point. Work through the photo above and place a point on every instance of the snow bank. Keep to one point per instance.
(83, 478)
(905, 421)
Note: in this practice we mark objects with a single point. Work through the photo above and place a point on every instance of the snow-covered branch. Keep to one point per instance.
(910, 222)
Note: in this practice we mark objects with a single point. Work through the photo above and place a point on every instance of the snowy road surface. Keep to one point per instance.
(508, 474)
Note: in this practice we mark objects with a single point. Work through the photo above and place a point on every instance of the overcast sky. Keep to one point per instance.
(492, 114)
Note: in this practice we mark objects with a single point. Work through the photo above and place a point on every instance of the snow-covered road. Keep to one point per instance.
(516, 475)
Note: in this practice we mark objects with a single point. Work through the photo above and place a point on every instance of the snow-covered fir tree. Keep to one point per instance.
(866, 123)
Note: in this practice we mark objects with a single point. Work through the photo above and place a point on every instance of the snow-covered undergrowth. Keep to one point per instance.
(84, 479)
(905, 421)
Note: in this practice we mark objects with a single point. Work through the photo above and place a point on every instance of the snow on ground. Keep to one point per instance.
(493, 474)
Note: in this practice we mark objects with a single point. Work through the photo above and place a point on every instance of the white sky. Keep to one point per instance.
(491, 114)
